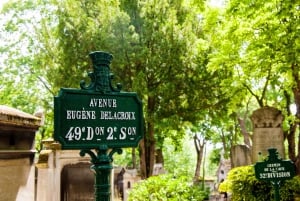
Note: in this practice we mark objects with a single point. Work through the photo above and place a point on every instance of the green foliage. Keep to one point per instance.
(215, 155)
(243, 186)
(179, 162)
(151, 43)
(187, 62)
(256, 42)
(125, 159)
(166, 188)
(293, 184)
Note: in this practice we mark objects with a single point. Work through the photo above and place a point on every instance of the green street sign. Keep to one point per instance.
(86, 119)
(274, 169)
(101, 117)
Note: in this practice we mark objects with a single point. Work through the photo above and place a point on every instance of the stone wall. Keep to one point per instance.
(63, 175)
(17, 180)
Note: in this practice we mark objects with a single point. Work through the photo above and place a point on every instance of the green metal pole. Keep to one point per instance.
(102, 182)
(102, 166)
(102, 171)
(276, 185)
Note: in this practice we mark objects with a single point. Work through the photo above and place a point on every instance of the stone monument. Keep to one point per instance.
(17, 133)
(63, 175)
(240, 155)
(267, 132)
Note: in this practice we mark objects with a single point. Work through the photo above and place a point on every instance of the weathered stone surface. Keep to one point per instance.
(223, 169)
(267, 132)
(16, 180)
(17, 133)
(77, 182)
(11, 117)
(240, 155)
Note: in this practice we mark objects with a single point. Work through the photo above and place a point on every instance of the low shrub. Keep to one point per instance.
(167, 188)
(242, 184)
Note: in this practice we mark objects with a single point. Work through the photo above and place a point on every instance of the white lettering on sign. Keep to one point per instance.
(103, 102)
(274, 169)
(97, 133)
(108, 115)
(81, 114)
(124, 131)
(273, 165)
(97, 130)
(271, 175)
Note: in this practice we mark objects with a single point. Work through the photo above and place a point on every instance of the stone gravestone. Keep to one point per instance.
(223, 169)
(267, 132)
(240, 155)
(130, 178)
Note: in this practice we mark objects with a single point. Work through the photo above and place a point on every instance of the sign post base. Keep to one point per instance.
(102, 166)
(276, 186)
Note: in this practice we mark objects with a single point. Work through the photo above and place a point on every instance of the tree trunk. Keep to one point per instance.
(142, 152)
(147, 145)
(291, 141)
(150, 147)
(159, 156)
(223, 138)
(290, 135)
(296, 92)
(133, 156)
(297, 163)
(244, 132)
(199, 145)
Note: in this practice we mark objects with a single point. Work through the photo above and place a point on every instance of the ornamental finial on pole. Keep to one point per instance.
(101, 76)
